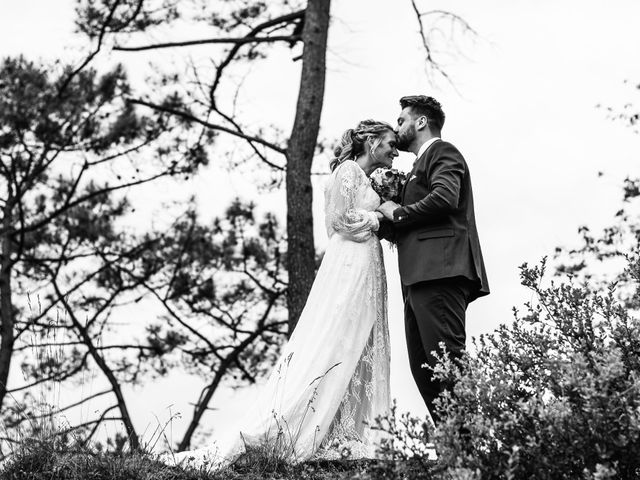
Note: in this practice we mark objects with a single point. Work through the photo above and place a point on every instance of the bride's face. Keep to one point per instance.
(386, 150)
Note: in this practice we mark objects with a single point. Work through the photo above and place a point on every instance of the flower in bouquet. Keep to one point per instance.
(388, 183)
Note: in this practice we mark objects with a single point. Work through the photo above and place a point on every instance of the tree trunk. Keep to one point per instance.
(132, 436)
(6, 303)
(300, 151)
(203, 404)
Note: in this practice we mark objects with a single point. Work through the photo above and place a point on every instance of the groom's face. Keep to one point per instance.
(406, 129)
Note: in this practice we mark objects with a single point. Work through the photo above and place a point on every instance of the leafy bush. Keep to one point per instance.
(554, 395)
(405, 447)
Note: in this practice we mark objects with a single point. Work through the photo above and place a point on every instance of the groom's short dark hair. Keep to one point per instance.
(427, 106)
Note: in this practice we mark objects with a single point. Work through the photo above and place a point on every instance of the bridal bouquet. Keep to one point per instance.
(388, 183)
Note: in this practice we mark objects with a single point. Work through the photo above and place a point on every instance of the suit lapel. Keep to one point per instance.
(404, 187)
(413, 170)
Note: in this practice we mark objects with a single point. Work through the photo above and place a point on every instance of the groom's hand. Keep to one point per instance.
(387, 209)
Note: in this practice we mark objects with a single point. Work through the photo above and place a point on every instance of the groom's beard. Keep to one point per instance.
(405, 139)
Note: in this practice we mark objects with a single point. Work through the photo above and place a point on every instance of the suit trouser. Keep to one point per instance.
(434, 312)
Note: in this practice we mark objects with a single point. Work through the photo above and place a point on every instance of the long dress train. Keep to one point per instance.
(332, 377)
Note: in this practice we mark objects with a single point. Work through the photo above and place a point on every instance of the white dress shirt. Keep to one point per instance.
(426, 145)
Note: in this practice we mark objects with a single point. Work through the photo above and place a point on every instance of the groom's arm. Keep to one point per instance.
(448, 169)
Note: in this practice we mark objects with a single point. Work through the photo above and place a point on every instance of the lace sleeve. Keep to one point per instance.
(342, 214)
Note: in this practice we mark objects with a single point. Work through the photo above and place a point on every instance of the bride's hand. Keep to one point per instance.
(387, 209)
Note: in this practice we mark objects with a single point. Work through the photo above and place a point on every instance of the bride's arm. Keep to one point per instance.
(354, 223)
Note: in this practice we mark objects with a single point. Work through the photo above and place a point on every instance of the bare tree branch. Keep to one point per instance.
(70, 204)
(168, 308)
(106, 370)
(207, 393)
(124, 153)
(299, 15)
(69, 407)
(53, 378)
(192, 118)
(91, 56)
(431, 61)
(108, 263)
(208, 41)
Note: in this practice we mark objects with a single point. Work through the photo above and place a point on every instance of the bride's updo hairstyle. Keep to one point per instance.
(353, 140)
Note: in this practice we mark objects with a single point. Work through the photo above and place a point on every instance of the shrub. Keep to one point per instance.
(553, 395)
(404, 448)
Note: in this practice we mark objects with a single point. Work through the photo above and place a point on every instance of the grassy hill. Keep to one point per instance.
(45, 460)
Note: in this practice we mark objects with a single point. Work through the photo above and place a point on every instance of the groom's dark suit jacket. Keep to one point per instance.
(435, 228)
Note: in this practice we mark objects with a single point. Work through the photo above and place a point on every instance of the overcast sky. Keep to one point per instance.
(523, 113)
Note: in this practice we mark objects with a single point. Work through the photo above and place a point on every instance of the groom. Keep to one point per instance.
(441, 266)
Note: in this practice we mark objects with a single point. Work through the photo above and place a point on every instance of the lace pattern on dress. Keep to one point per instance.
(368, 394)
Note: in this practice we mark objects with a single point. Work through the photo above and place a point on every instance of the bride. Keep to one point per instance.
(332, 378)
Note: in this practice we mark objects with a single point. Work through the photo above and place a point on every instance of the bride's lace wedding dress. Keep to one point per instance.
(332, 378)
